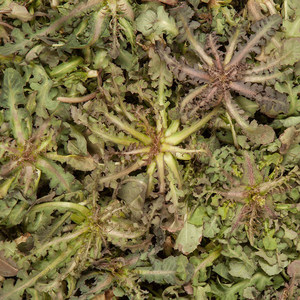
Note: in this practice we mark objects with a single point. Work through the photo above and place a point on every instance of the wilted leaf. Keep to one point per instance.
(294, 270)
(287, 138)
(8, 267)
(19, 12)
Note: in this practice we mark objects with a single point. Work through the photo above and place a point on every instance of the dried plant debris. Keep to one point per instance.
(149, 149)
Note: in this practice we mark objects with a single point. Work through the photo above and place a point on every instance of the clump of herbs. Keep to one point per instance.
(149, 149)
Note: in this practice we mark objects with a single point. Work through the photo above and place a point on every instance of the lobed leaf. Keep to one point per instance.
(12, 97)
(61, 180)
(42, 84)
(263, 31)
(154, 24)
(165, 271)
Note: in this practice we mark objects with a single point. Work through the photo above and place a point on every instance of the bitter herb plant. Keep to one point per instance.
(222, 72)
(149, 149)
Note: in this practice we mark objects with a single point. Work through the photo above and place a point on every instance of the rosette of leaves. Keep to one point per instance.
(258, 192)
(260, 189)
(221, 75)
(133, 276)
(147, 130)
(65, 237)
(30, 146)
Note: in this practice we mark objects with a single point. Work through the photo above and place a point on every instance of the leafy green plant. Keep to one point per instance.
(247, 220)
(257, 190)
(224, 72)
(100, 13)
(154, 136)
(66, 237)
(29, 151)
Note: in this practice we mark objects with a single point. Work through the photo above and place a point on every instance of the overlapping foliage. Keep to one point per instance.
(149, 149)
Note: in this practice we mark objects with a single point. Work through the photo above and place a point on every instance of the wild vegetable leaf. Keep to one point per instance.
(291, 21)
(235, 291)
(239, 269)
(11, 292)
(78, 145)
(42, 84)
(270, 270)
(293, 95)
(153, 24)
(251, 175)
(133, 191)
(198, 216)
(211, 227)
(61, 180)
(292, 50)
(12, 96)
(188, 238)
(165, 271)
(77, 162)
(294, 270)
(8, 267)
(22, 41)
(237, 253)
